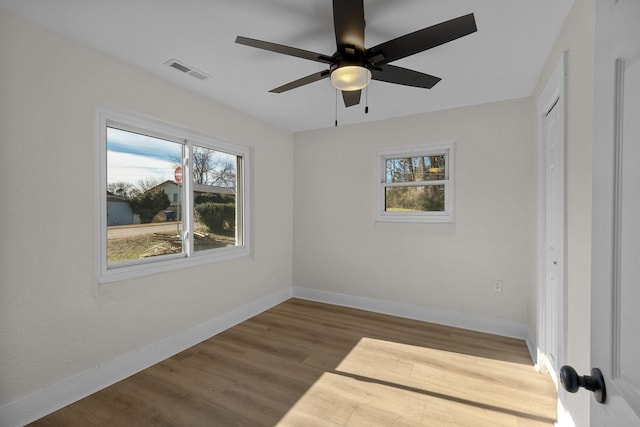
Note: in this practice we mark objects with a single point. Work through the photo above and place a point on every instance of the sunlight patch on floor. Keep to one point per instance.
(383, 383)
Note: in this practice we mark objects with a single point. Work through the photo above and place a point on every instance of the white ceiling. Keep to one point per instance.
(501, 61)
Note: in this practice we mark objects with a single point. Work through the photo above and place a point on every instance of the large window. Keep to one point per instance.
(416, 185)
(168, 197)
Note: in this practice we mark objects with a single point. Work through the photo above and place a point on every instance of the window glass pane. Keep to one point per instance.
(143, 200)
(424, 198)
(215, 199)
(416, 169)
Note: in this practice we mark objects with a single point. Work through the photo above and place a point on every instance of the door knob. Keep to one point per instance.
(571, 382)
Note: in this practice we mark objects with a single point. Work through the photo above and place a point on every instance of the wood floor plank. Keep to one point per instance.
(304, 363)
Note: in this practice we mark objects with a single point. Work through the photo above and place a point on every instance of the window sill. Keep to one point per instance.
(446, 218)
(126, 272)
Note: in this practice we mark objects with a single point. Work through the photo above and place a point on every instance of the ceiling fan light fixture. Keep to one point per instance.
(350, 77)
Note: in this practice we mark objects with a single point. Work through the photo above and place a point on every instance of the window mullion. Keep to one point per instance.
(240, 200)
(187, 180)
(414, 183)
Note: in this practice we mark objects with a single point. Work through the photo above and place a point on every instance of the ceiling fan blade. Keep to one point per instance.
(301, 82)
(404, 76)
(285, 50)
(422, 40)
(348, 23)
(351, 97)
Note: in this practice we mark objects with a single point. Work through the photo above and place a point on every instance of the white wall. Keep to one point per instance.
(56, 321)
(338, 247)
(577, 37)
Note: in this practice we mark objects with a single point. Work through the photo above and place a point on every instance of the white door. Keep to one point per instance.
(551, 288)
(554, 235)
(615, 299)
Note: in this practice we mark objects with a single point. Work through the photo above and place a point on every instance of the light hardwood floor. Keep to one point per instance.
(305, 364)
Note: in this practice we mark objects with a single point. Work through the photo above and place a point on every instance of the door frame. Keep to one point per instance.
(554, 92)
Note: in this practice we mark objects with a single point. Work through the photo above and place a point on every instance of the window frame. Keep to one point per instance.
(446, 216)
(131, 122)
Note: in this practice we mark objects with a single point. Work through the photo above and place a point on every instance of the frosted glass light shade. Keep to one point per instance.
(350, 77)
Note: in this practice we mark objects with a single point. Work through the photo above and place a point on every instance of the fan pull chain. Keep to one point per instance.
(336, 117)
(366, 102)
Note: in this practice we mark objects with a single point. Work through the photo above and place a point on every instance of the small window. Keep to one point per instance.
(168, 197)
(416, 185)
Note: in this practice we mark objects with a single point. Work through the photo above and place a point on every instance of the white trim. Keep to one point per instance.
(56, 396)
(447, 215)
(171, 264)
(443, 317)
(554, 91)
(564, 418)
(533, 351)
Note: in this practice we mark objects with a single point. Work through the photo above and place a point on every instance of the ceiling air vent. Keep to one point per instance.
(174, 63)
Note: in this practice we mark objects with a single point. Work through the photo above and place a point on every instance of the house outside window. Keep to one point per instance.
(416, 184)
(154, 218)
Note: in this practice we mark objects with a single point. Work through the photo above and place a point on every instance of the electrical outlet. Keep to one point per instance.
(497, 285)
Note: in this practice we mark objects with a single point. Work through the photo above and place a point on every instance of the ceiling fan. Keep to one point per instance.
(352, 66)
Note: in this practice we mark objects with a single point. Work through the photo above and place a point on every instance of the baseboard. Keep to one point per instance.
(427, 314)
(533, 351)
(56, 396)
(564, 416)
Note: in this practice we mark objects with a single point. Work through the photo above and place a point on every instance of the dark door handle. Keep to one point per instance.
(571, 382)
